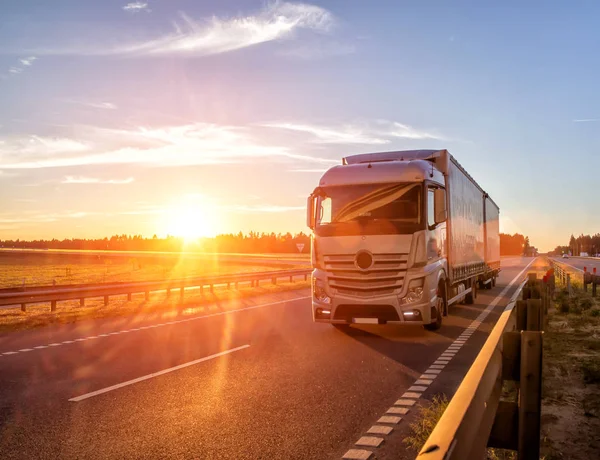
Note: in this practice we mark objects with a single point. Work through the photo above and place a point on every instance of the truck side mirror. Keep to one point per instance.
(439, 198)
(310, 212)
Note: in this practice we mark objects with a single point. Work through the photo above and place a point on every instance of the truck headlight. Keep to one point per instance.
(319, 292)
(415, 291)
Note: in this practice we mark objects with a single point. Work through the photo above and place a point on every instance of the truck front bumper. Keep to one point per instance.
(381, 310)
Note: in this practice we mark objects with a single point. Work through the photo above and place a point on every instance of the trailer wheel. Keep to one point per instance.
(439, 309)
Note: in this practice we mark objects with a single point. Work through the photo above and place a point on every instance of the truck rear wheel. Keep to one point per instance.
(439, 309)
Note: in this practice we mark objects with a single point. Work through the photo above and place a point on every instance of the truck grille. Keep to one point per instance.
(384, 276)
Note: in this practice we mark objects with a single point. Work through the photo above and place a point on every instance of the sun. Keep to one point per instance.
(190, 221)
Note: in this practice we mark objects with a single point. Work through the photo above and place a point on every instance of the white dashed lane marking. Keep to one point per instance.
(194, 318)
(414, 393)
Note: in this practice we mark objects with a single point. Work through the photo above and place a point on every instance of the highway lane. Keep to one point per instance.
(580, 262)
(296, 389)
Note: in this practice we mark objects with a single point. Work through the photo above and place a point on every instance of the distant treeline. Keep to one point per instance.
(583, 243)
(252, 242)
(242, 243)
(514, 245)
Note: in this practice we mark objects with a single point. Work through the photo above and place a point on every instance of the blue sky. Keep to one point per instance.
(124, 117)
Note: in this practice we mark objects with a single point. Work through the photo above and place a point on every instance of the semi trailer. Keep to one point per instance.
(399, 237)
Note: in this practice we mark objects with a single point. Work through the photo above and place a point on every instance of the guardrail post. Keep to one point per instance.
(53, 305)
(202, 289)
(105, 300)
(23, 307)
(129, 296)
(291, 278)
(82, 302)
(147, 295)
(211, 288)
(521, 315)
(569, 283)
(181, 292)
(305, 277)
(256, 283)
(168, 292)
(594, 284)
(534, 308)
(530, 403)
(585, 279)
(274, 280)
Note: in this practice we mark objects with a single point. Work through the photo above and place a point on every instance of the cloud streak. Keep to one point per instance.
(586, 120)
(136, 7)
(193, 144)
(217, 35)
(380, 132)
(25, 62)
(95, 180)
(331, 135)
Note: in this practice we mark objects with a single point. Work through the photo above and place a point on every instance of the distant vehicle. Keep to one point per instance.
(398, 237)
(584, 254)
(565, 256)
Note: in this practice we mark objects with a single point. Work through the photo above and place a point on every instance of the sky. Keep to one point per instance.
(205, 117)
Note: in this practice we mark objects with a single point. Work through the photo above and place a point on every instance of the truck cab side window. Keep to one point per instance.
(430, 208)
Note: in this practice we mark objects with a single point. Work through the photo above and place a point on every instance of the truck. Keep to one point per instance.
(399, 237)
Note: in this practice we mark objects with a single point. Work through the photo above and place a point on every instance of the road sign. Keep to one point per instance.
(300, 246)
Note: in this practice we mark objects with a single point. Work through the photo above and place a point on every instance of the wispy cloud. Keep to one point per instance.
(401, 130)
(268, 208)
(586, 120)
(318, 50)
(28, 61)
(219, 35)
(136, 7)
(37, 217)
(95, 180)
(93, 104)
(194, 144)
(25, 62)
(379, 132)
(332, 135)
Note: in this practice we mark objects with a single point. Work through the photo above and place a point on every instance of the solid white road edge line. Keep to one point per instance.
(156, 374)
(433, 369)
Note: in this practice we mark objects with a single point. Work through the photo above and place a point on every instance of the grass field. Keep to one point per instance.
(18, 271)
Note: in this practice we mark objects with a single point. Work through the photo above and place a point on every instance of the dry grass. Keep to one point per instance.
(18, 271)
(571, 379)
(158, 305)
(426, 421)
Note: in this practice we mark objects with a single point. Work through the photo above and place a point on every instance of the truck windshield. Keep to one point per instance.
(370, 208)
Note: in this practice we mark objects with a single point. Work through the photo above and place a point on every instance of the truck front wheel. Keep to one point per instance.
(438, 310)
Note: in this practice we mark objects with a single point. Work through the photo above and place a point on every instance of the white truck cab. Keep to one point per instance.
(391, 243)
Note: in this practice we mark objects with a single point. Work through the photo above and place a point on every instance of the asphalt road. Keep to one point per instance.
(252, 379)
(580, 262)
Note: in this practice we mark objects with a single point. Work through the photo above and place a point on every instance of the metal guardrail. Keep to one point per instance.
(476, 417)
(54, 295)
(586, 278)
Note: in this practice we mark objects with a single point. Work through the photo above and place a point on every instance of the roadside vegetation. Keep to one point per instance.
(571, 382)
(158, 306)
